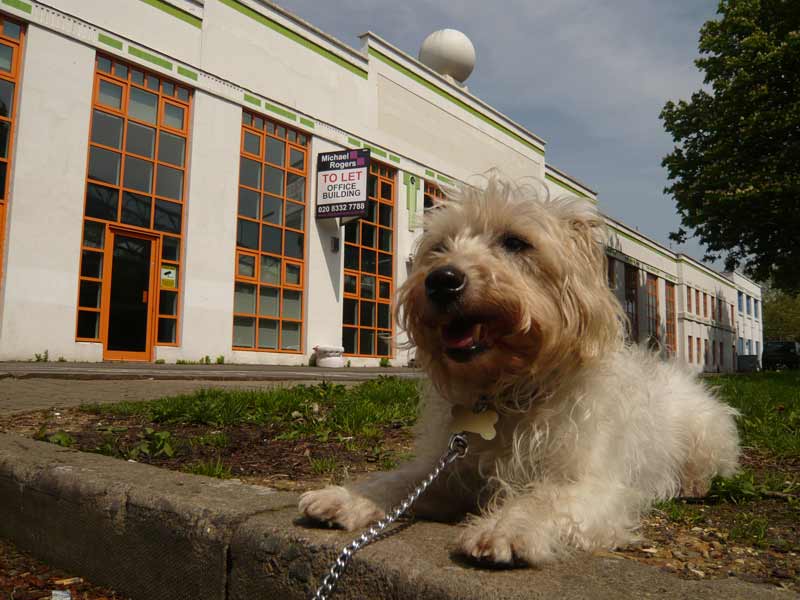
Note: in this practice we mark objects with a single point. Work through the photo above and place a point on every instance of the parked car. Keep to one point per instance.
(779, 355)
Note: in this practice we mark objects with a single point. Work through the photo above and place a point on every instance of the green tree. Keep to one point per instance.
(735, 167)
(781, 315)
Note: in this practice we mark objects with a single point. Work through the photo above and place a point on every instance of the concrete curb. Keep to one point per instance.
(156, 534)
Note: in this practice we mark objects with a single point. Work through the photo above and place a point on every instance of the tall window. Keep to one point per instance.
(741, 301)
(136, 177)
(671, 325)
(632, 299)
(732, 319)
(720, 309)
(713, 353)
(697, 305)
(755, 308)
(612, 273)
(698, 349)
(705, 305)
(747, 299)
(688, 299)
(705, 352)
(369, 271)
(713, 308)
(652, 305)
(270, 237)
(10, 48)
(691, 351)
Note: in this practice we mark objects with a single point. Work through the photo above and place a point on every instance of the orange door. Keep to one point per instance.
(128, 305)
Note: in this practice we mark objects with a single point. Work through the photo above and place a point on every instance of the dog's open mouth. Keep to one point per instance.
(465, 337)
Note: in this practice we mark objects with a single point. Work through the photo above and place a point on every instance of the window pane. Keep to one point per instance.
(104, 165)
(169, 182)
(120, 70)
(385, 239)
(103, 64)
(350, 257)
(88, 324)
(89, 294)
(372, 208)
(383, 345)
(167, 331)
(295, 216)
(386, 215)
(280, 131)
(291, 135)
(384, 289)
(351, 232)
(135, 209)
(350, 316)
(106, 129)
(252, 143)
(244, 298)
(173, 116)
(269, 304)
(91, 264)
(143, 105)
(367, 286)
(183, 93)
(244, 331)
(383, 316)
(350, 284)
(4, 139)
(138, 174)
(170, 148)
(386, 190)
(170, 248)
(248, 203)
(101, 202)
(294, 244)
(168, 303)
(109, 94)
(3, 168)
(137, 76)
(367, 314)
(273, 210)
(93, 233)
(349, 339)
(292, 274)
(151, 82)
(167, 88)
(292, 304)
(258, 123)
(276, 151)
(140, 139)
(270, 269)
(385, 264)
(271, 239)
(168, 216)
(273, 181)
(367, 341)
(368, 235)
(11, 30)
(296, 187)
(267, 334)
(249, 173)
(368, 261)
(290, 336)
(297, 159)
(6, 57)
(246, 265)
(247, 234)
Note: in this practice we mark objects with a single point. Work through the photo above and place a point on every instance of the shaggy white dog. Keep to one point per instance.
(508, 305)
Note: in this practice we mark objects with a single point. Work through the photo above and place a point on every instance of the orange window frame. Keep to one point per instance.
(367, 320)
(160, 223)
(670, 320)
(12, 36)
(269, 297)
(632, 299)
(433, 195)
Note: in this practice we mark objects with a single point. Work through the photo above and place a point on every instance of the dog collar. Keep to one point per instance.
(479, 419)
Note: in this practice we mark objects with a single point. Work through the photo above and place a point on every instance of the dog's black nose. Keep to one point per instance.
(445, 285)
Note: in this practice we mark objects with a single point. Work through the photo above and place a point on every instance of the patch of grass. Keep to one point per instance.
(749, 528)
(679, 511)
(769, 403)
(216, 439)
(210, 468)
(61, 438)
(324, 466)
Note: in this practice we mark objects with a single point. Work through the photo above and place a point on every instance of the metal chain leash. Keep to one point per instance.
(456, 448)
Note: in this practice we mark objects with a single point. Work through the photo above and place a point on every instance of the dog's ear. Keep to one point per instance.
(586, 228)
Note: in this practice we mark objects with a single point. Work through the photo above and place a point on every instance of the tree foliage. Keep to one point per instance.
(735, 167)
(781, 315)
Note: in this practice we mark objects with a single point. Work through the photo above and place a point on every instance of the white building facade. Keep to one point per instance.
(159, 185)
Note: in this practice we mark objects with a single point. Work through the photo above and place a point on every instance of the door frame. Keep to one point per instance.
(108, 262)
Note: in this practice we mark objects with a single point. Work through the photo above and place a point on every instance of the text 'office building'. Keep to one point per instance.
(159, 164)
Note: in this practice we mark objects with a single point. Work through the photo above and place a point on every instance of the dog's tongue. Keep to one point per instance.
(461, 334)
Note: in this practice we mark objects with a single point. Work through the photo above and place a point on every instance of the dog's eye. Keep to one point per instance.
(439, 248)
(514, 244)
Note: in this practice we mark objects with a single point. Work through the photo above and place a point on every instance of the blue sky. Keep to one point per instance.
(588, 76)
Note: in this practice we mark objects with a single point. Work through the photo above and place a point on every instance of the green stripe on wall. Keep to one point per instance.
(453, 99)
(109, 41)
(446, 180)
(430, 173)
(156, 60)
(375, 150)
(394, 158)
(307, 122)
(187, 73)
(277, 27)
(175, 12)
(354, 142)
(280, 111)
(252, 100)
(575, 191)
(23, 6)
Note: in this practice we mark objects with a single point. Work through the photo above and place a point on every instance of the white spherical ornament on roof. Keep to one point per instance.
(450, 53)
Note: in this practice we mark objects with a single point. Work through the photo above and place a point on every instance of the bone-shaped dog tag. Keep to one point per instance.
(482, 423)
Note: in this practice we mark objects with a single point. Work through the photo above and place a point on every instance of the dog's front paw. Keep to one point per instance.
(339, 506)
(503, 542)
